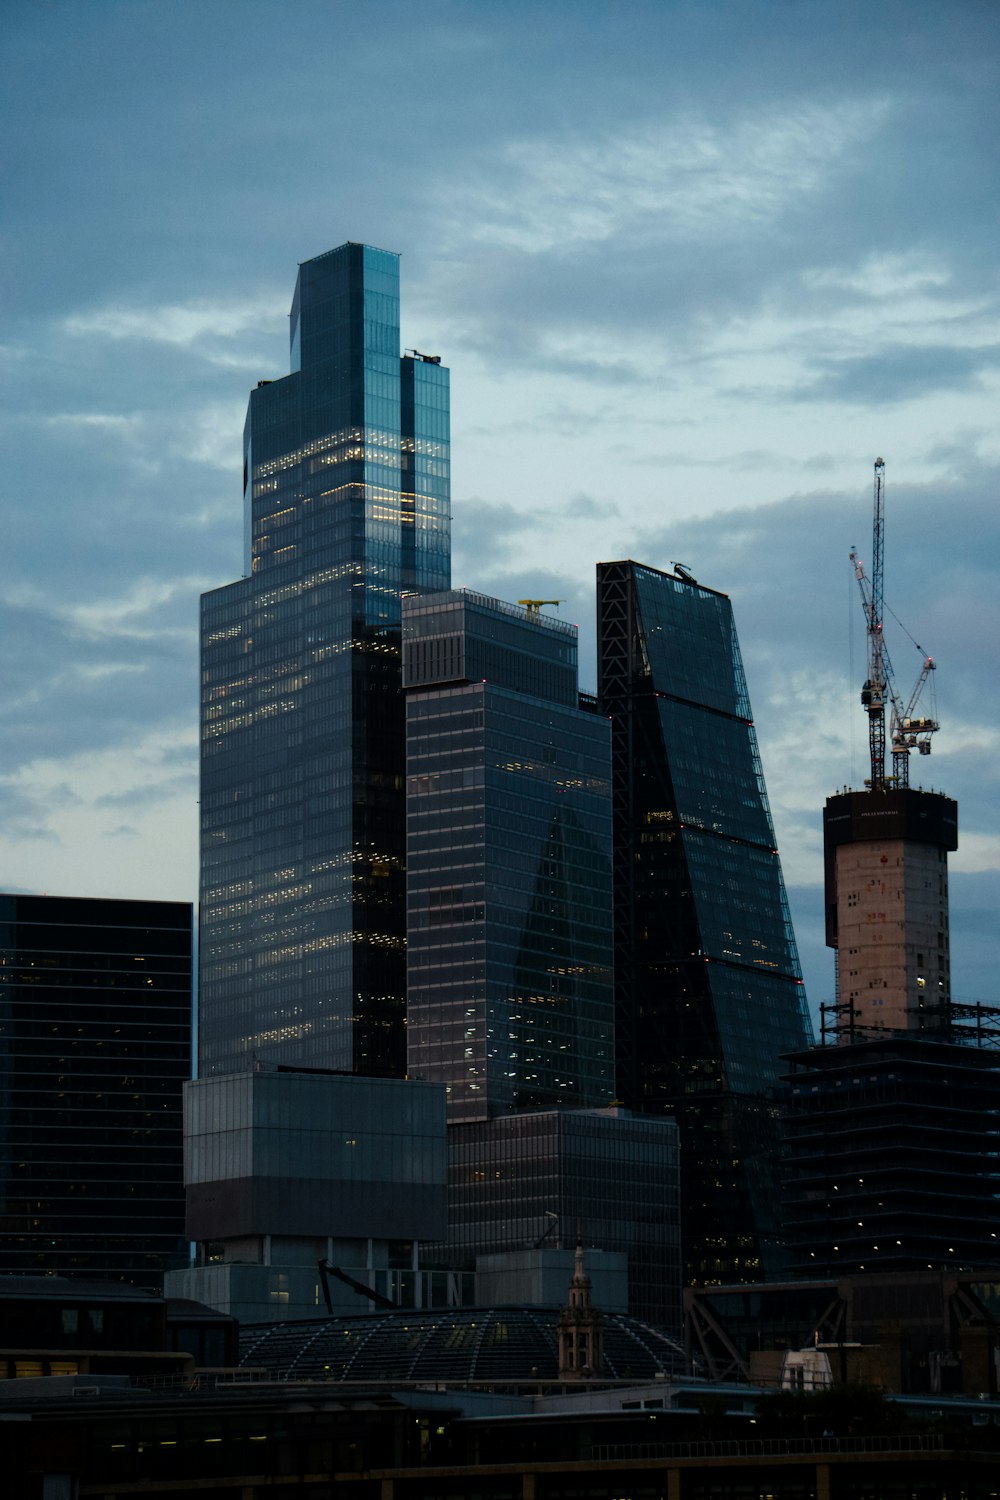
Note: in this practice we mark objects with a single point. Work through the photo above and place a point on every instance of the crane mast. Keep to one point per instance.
(907, 731)
(874, 692)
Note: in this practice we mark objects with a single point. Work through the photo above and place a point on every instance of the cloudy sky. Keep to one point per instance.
(694, 266)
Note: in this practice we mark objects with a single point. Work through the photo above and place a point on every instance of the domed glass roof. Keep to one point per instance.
(455, 1344)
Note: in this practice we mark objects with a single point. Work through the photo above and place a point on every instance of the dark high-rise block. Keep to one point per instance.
(95, 1046)
(302, 855)
(894, 1154)
(709, 993)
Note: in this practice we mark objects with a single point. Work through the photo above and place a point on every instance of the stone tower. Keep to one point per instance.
(581, 1351)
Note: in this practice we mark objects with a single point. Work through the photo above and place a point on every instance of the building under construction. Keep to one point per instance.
(886, 852)
(893, 1129)
(886, 877)
(893, 1155)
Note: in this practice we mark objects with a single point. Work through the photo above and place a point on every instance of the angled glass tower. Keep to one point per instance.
(346, 508)
(708, 987)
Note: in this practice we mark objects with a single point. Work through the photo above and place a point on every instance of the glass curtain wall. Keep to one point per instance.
(510, 1000)
(95, 1046)
(346, 505)
(708, 985)
(530, 1180)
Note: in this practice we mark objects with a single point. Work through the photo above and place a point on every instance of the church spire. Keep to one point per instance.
(581, 1341)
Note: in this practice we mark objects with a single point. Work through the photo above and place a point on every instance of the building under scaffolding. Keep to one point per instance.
(893, 1150)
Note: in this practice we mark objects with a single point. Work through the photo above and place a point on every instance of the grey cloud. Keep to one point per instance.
(147, 491)
(747, 461)
(590, 507)
(486, 534)
(152, 792)
(494, 531)
(899, 373)
(787, 569)
(68, 692)
(177, 755)
(974, 901)
(25, 816)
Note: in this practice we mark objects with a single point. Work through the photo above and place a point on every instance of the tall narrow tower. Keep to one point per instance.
(886, 853)
(346, 507)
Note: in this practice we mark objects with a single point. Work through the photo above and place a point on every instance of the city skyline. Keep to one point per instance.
(692, 275)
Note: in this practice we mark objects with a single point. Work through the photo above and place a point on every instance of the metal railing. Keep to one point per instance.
(769, 1447)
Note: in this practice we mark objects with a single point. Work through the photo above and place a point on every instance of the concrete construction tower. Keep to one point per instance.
(893, 1132)
(886, 877)
(887, 847)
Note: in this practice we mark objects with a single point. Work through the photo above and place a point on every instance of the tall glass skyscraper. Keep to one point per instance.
(346, 507)
(510, 1000)
(709, 993)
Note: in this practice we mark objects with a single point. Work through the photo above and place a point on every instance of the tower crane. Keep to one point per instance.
(907, 730)
(534, 606)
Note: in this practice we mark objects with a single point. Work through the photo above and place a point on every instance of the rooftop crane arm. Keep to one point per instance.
(906, 731)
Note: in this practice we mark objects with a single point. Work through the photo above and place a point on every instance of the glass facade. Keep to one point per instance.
(526, 1180)
(708, 987)
(346, 507)
(509, 998)
(310, 1154)
(95, 1045)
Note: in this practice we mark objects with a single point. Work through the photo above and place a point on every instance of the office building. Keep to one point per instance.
(307, 1189)
(95, 1045)
(302, 817)
(886, 877)
(521, 1184)
(509, 993)
(709, 993)
(509, 934)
